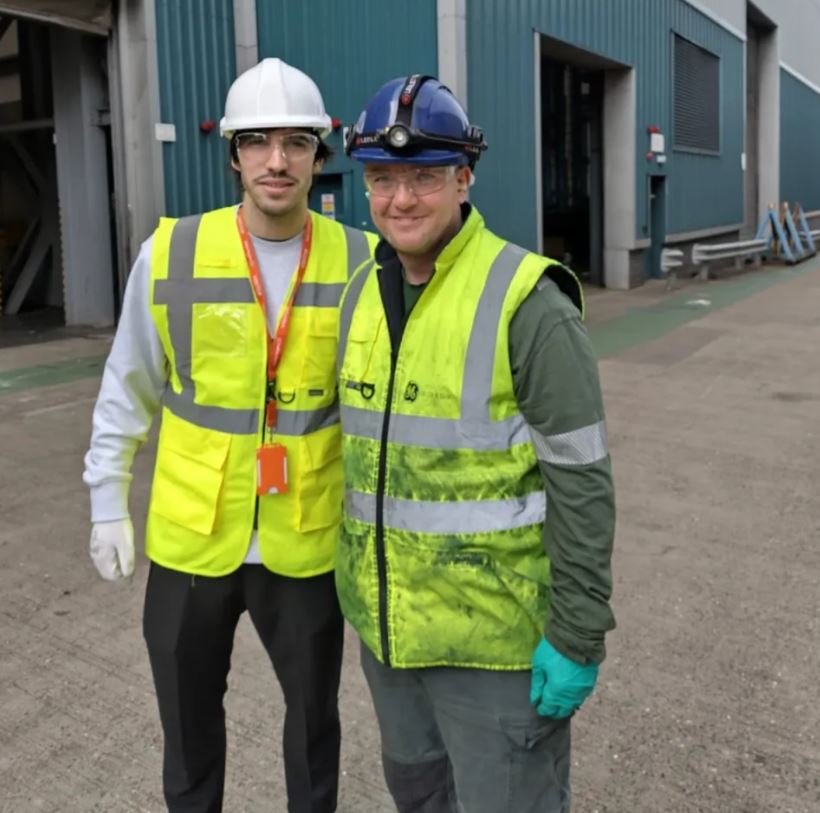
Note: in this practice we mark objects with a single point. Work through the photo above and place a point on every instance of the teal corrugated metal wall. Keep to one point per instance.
(196, 59)
(799, 131)
(349, 49)
(702, 190)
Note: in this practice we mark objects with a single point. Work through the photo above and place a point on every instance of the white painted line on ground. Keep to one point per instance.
(55, 407)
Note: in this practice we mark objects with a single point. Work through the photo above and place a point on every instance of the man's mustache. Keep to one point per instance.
(276, 176)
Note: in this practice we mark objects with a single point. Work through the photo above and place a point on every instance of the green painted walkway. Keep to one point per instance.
(49, 375)
(635, 327)
(640, 325)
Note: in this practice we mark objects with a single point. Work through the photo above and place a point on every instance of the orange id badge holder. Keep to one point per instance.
(271, 469)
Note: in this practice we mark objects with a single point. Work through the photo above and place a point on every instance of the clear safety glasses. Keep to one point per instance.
(421, 181)
(293, 147)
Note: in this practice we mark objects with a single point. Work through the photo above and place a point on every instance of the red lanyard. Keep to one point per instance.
(276, 342)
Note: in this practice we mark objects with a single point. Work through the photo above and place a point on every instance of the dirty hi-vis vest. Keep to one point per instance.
(441, 558)
(203, 504)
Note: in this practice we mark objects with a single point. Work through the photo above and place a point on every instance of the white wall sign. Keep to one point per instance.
(165, 132)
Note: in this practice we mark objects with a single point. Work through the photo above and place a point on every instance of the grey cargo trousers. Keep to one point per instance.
(467, 741)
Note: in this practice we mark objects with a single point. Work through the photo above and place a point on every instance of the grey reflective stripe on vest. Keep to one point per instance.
(438, 433)
(319, 295)
(358, 249)
(580, 447)
(179, 293)
(305, 421)
(474, 429)
(201, 290)
(246, 421)
(232, 421)
(465, 517)
(346, 316)
(477, 386)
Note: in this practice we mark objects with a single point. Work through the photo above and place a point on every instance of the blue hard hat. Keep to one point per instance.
(415, 120)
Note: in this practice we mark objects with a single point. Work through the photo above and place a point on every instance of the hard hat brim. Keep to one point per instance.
(321, 124)
(375, 155)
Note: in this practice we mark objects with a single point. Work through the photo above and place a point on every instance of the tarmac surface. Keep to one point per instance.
(709, 700)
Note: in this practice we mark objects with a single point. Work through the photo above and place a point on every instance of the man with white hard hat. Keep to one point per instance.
(228, 329)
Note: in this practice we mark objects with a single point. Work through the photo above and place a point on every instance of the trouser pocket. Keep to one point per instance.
(538, 770)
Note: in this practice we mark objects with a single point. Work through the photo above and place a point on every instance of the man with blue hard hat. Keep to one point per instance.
(474, 558)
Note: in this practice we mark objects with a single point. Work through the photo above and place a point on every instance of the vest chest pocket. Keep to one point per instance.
(319, 355)
(221, 329)
(361, 346)
(189, 473)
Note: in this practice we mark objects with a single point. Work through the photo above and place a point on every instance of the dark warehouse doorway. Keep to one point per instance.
(572, 166)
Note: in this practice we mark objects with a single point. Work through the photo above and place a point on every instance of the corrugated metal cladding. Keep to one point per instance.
(799, 158)
(196, 58)
(350, 49)
(702, 190)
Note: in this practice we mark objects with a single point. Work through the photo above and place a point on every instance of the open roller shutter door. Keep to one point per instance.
(87, 15)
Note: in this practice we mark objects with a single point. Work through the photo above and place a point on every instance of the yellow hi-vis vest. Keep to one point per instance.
(441, 558)
(203, 500)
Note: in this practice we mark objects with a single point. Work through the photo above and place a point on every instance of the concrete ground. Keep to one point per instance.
(709, 698)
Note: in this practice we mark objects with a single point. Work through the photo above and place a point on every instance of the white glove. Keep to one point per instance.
(112, 548)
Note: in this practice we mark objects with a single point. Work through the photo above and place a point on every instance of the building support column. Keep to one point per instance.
(245, 35)
(768, 122)
(452, 46)
(620, 113)
(82, 179)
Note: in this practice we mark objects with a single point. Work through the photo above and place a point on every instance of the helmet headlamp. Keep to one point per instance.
(398, 136)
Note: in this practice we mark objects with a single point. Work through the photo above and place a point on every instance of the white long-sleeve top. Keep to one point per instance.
(136, 373)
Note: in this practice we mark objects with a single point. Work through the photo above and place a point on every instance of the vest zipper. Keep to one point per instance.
(381, 556)
(390, 290)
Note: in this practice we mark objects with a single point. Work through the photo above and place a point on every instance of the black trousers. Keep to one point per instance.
(189, 624)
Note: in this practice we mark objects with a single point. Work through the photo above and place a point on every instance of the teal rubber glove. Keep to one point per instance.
(559, 685)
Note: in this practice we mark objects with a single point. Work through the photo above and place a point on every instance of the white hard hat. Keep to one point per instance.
(274, 94)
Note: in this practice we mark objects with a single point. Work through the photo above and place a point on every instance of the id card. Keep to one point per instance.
(271, 469)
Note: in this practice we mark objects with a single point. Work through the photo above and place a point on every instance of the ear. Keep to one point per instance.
(235, 165)
(464, 179)
(317, 166)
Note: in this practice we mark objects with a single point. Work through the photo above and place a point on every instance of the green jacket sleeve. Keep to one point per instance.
(555, 375)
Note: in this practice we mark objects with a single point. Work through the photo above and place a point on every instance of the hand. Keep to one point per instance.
(559, 685)
(112, 548)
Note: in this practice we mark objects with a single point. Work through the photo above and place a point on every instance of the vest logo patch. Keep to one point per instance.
(411, 391)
